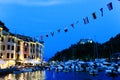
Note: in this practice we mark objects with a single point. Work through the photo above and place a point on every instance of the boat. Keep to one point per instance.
(93, 71)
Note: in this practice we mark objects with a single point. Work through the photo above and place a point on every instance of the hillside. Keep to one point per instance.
(89, 50)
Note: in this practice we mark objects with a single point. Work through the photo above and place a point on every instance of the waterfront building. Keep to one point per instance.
(83, 41)
(16, 49)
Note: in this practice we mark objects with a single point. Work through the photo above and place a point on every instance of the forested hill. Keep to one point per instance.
(89, 50)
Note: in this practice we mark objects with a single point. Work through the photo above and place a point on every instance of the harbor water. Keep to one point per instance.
(53, 75)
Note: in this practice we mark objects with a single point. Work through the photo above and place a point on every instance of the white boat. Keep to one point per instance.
(93, 71)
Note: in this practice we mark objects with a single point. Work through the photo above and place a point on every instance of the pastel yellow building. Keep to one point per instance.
(16, 49)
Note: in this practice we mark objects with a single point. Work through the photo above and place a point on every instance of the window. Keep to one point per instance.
(18, 42)
(33, 50)
(8, 47)
(0, 55)
(25, 49)
(13, 40)
(18, 56)
(18, 49)
(33, 57)
(25, 56)
(37, 45)
(9, 39)
(36, 50)
(33, 45)
(8, 55)
(2, 39)
(3, 47)
(30, 45)
(25, 44)
(12, 55)
(12, 47)
(37, 55)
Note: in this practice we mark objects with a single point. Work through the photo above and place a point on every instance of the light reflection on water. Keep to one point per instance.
(53, 75)
(38, 75)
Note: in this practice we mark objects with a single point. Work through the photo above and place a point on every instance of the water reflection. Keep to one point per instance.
(53, 75)
(38, 75)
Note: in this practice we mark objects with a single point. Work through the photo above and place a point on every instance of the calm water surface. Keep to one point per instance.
(52, 75)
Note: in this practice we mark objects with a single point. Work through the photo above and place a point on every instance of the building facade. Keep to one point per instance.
(16, 48)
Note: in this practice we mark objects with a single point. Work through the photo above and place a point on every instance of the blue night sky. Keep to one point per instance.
(40, 17)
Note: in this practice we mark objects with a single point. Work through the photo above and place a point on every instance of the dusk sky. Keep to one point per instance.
(40, 17)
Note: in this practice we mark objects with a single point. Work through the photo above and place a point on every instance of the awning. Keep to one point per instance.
(36, 62)
(28, 61)
(32, 61)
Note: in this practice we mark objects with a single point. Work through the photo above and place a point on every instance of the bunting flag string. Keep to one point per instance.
(110, 7)
(58, 30)
(52, 33)
(77, 22)
(72, 25)
(46, 35)
(94, 15)
(101, 9)
(85, 19)
(66, 29)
